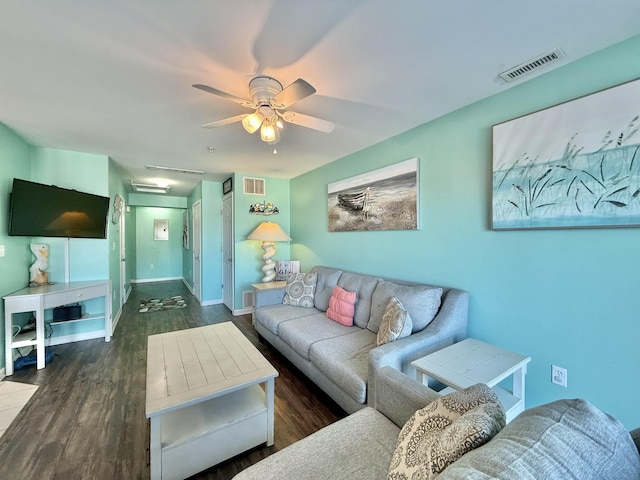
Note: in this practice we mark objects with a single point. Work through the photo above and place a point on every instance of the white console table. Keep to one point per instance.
(39, 299)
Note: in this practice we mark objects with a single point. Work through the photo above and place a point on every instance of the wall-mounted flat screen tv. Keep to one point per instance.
(38, 210)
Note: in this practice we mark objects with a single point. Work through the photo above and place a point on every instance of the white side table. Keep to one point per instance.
(264, 287)
(471, 361)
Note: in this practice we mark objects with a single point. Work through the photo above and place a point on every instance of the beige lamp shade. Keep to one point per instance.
(269, 233)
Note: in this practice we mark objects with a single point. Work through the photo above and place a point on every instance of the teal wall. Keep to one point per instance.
(158, 259)
(564, 297)
(88, 258)
(156, 200)
(14, 265)
(248, 253)
(116, 186)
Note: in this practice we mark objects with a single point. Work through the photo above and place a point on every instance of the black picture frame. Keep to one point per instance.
(227, 186)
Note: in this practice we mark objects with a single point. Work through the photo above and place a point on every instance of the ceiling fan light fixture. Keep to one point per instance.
(267, 132)
(252, 122)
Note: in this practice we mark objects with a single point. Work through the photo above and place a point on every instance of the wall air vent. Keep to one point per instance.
(253, 186)
(247, 299)
(532, 65)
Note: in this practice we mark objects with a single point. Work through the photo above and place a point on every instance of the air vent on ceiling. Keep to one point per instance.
(532, 65)
(253, 186)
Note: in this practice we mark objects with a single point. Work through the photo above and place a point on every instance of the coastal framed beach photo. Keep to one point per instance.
(574, 165)
(383, 199)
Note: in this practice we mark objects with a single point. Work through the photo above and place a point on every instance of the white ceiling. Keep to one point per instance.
(114, 77)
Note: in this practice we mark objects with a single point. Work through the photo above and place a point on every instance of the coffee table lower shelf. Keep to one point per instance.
(194, 438)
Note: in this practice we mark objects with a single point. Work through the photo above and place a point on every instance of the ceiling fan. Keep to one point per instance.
(269, 102)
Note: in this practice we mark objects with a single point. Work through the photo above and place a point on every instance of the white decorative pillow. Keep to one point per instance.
(443, 431)
(300, 289)
(396, 323)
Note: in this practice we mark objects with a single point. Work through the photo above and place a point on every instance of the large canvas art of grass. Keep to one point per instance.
(573, 165)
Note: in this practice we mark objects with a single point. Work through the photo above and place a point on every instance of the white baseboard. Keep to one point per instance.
(242, 311)
(186, 284)
(149, 280)
(78, 337)
(211, 302)
(114, 320)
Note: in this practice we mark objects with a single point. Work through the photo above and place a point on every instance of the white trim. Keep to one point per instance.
(149, 280)
(186, 284)
(77, 337)
(218, 301)
(114, 321)
(242, 311)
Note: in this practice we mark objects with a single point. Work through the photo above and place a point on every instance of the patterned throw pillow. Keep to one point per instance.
(443, 431)
(300, 289)
(396, 323)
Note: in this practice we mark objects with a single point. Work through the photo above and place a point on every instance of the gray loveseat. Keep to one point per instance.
(340, 359)
(566, 439)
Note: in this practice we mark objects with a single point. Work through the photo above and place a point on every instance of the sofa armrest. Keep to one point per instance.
(448, 327)
(397, 396)
(272, 296)
(635, 435)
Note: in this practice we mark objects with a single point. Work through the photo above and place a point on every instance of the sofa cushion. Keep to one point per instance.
(327, 279)
(565, 439)
(421, 301)
(273, 315)
(345, 361)
(363, 285)
(303, 332)
(443, 431)
(396, 323)
(300, 289)
(342, 306)
(357, 447)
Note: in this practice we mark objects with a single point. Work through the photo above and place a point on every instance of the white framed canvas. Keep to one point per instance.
(573, 165)
(383, 199)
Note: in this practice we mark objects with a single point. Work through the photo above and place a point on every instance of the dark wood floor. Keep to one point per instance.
(87, 419)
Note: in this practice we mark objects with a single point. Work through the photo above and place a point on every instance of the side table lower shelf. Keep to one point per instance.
(471, 361)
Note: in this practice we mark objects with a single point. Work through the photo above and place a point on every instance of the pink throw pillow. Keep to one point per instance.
(342, 306)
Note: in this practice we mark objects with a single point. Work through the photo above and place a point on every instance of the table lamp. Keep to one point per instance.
(269, 233)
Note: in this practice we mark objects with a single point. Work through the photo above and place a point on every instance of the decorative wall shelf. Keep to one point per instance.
(263, 209)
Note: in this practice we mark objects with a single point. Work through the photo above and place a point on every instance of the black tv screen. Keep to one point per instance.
(38, 210)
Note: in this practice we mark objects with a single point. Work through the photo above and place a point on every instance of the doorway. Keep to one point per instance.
(197, 247)
(227, 251)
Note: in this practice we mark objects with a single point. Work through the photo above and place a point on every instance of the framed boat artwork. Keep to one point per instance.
(383, 199)
(574, 165)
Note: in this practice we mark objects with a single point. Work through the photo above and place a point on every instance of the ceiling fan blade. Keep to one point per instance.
(292, 94)
(228, 96)
(224, 121)
(308, 121)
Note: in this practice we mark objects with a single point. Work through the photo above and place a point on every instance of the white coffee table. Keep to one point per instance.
(471, 361)
(204, 398)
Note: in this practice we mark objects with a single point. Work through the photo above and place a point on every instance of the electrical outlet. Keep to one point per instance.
(559, 375)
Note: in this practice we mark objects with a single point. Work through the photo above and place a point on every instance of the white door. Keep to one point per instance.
(227, 251)
(197, 242)
(123, 260)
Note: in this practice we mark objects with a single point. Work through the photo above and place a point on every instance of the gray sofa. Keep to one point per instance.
(566, 439)
(341, 359)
